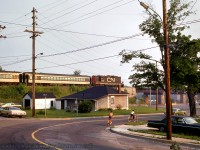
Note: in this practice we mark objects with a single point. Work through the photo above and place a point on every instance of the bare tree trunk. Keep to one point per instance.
(192, 104)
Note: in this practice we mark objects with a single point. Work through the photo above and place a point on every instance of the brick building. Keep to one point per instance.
(100, 96)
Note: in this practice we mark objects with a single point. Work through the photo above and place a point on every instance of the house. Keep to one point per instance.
(42, 100)
(100, 96)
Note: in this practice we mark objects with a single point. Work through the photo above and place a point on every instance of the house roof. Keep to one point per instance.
(95, 92)
(41, 95)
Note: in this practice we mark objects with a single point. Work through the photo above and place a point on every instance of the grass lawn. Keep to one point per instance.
(180, 135)
(157, 132)
(64, 114)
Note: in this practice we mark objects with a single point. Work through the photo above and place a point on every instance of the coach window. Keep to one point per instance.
(112, 100)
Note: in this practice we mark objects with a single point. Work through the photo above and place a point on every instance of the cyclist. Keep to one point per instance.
(132, 115)
(110, 118)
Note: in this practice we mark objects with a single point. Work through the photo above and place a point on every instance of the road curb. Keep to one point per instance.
(159, 139)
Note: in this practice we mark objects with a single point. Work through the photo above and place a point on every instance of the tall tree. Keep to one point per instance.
(77, 72)
(183, 50)
(1, 69)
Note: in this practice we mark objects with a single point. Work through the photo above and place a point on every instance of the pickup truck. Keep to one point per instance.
(180, 124)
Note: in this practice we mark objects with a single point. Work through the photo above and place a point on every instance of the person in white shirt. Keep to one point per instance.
(132, 115)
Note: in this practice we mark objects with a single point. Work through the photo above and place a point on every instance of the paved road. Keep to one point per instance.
(88, 133)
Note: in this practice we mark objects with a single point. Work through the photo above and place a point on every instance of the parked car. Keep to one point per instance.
(153, 101)
(11, 105)
(13, 112)
(180, 124)
(178, 112)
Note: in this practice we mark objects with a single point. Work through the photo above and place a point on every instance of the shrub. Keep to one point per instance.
(41, 112)
(28, 108)
(109, 109)
(119, 107)
(132, 100)
(85, 107)
(52, 108)
(175, 146)
(105, 109)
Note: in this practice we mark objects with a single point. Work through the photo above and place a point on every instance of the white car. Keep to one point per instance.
(11, 105)
(13, 112)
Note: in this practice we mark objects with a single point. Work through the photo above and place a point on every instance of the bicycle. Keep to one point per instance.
(109, 122)
(131, 118)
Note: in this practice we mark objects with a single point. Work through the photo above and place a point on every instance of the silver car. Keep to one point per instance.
(13, 112)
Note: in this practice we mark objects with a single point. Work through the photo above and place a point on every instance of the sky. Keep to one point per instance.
(85, 35)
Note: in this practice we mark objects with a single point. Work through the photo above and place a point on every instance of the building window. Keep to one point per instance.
(112, 100)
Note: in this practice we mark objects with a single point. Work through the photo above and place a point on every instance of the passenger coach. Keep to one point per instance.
(9, 77)
(52, 79)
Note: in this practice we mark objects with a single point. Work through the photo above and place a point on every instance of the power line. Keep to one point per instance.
(94, 46)
(14, 56)
(61, 2)
(16, 62)
(80, 62)
(184, 23)
(94, 59)
(92, 15)
(190, 10)
(71, 11)
(66, 9)
(52, 29)
(61, 30)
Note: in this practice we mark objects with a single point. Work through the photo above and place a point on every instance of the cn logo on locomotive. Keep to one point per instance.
(109, 79)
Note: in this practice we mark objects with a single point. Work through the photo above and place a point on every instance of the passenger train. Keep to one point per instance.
(14, 78)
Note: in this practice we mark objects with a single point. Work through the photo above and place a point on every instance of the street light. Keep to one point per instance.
(167, 64)
(147, 9)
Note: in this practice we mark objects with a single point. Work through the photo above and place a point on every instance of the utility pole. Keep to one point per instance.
(167, 72)
(34, 35)
(2, 27)
(167, 64)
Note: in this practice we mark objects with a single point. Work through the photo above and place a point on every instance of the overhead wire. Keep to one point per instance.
(59, 25)
(140, 50)
(53, 7)
(106, 57)
(18, 24)
(190, 10)
(75, 5)
(95, 46)
(93, 34)
(71, 11)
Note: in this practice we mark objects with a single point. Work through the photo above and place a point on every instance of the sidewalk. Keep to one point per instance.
(125, 130)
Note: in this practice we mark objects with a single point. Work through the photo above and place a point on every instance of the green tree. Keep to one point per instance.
(183, 53)
(1, 69)
(77, 72)
(184, 65)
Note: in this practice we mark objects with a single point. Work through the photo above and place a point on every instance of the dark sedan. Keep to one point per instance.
(180, 124)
